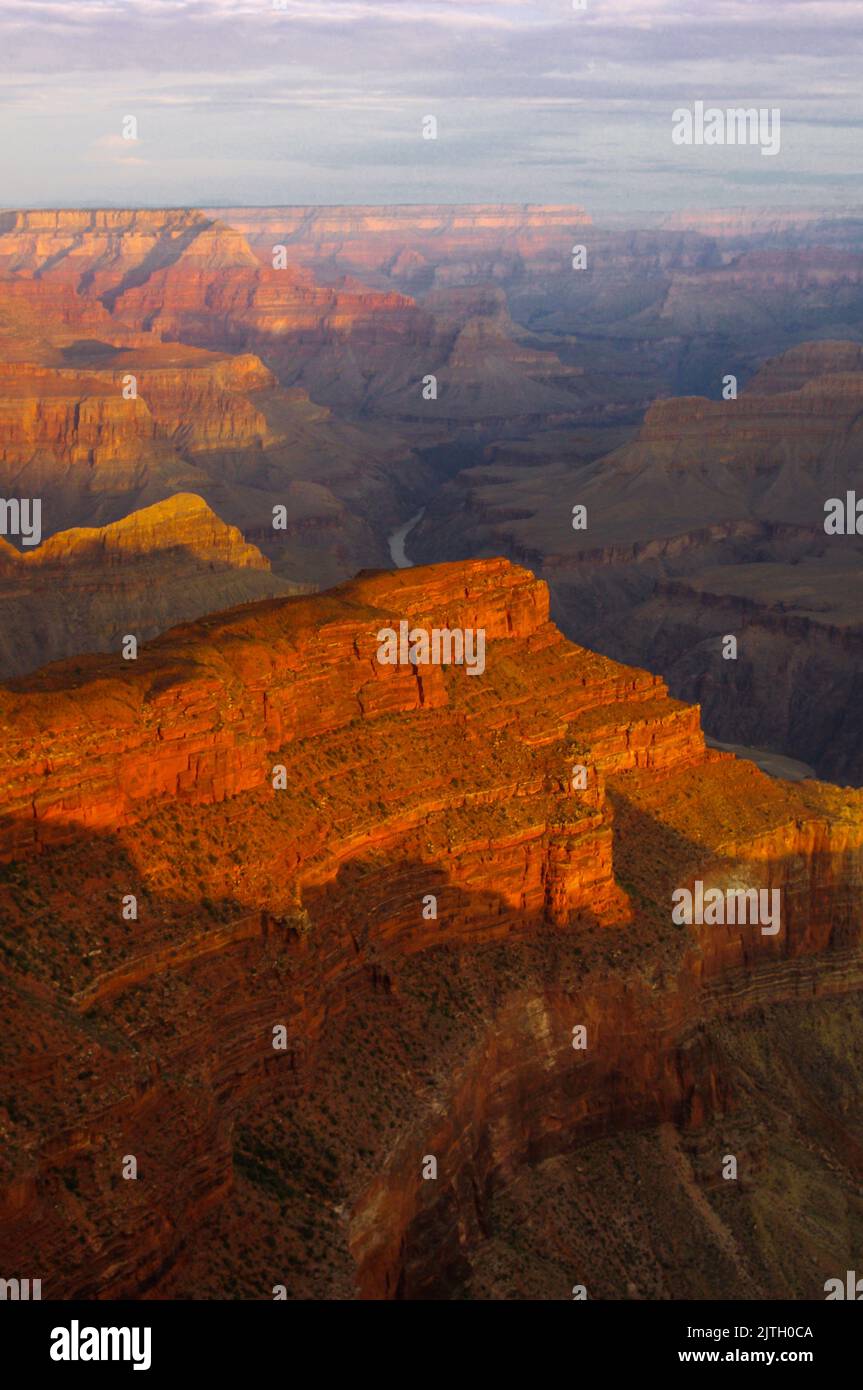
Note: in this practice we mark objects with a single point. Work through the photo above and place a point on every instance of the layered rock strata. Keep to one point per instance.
(85, 590)
(372, 907)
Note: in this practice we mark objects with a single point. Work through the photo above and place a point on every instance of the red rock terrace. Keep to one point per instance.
(150, 1032)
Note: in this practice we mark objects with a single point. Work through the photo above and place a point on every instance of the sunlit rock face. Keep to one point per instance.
(83, 590)
(282, 921)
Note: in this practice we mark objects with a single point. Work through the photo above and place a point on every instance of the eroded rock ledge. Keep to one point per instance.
(405, 1035)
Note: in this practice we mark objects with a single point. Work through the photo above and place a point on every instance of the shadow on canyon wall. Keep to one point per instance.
(406, 1039)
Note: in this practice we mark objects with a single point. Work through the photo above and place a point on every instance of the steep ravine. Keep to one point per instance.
(658, 1055)
(526, 1098)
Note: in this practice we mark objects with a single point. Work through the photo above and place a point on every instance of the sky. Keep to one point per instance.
(323, 101)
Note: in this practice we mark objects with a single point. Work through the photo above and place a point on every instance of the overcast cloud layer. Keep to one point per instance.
(322, 101)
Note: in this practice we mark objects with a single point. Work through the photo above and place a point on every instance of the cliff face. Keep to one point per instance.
(207, 405)
(180, 303)
(424, 908)
(84, 590)
(710, 522)
(218, 294)
(418, 245)
(197, 399)
(180, 275)
(70, 418)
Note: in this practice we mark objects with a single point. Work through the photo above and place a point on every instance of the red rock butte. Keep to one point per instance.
(203, 709)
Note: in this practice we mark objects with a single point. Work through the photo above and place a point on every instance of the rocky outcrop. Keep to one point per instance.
(84, 590)
(297, 670)
(394, 875)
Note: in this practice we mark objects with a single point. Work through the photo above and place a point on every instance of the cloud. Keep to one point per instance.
(116, 149)
(329, 88)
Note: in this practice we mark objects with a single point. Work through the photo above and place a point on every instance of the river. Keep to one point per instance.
(398, 538)
(774, 764)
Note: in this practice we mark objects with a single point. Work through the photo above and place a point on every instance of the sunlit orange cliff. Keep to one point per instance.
(282, 923)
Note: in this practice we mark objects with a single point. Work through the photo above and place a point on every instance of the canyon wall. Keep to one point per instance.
(85, 590)
(373, 905)
(710, 522)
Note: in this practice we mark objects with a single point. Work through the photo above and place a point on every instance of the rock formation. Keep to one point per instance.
(418, 245)
(281, 358)
(283, 923)
(84, 590)
(711, 521)
(126, 376)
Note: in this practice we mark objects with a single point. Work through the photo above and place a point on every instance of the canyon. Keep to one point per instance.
(281, 359)
(282, 922)
(280, 1036)
(709, 521)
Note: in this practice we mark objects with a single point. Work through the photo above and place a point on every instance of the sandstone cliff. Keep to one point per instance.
(84, 590)
(172, 301)
(406, 1035)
